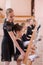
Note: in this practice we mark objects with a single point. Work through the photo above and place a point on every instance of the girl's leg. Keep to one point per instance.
(18, 62)
(6, 63)
(29, 62)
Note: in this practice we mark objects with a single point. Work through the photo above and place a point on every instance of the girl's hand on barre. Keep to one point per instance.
(32, 51)
(33, 47)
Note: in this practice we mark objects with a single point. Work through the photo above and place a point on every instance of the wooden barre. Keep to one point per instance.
(19, 16)
(24, 16)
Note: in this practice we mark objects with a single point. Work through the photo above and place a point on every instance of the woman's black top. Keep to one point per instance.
(7, 43)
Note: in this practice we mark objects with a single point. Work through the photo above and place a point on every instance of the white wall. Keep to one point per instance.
(39, 18)
(2, 4)
(39, 12)
(21, 7)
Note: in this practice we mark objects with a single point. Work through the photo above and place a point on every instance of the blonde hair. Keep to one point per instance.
(9, 10)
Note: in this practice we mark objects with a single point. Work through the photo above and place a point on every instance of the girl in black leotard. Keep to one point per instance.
(30, 27)
(19, 32)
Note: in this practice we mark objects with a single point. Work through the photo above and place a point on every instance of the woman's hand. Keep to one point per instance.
(23, 54)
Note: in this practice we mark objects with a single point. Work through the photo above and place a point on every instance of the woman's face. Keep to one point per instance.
(11, 16)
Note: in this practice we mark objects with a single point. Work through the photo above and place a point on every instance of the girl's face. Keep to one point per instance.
(19, 33)
(31, 22)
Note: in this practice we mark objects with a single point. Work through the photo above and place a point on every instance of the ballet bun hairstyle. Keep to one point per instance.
(18, 27)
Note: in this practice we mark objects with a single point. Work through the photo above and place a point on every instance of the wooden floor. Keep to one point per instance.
(38, 61)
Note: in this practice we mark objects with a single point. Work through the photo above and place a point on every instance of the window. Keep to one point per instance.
(8, 4)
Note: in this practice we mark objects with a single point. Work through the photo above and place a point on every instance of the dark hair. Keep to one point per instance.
(9, 10)
(1, 9)
(18, 27)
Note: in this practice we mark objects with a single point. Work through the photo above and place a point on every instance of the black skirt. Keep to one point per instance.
(7, 49)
